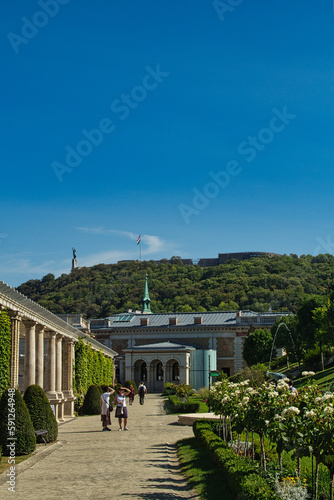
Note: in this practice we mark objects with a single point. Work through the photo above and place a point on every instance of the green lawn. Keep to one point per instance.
(201, 471)
(203, 407)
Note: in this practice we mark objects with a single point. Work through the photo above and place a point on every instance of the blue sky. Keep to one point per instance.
(204, 126)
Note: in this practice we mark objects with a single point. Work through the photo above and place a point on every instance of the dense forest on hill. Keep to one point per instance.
(280, 282)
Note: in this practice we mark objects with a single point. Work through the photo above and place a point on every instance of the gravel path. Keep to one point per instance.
(87, 463)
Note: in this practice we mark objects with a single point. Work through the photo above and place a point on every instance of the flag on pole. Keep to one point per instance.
(138, 240)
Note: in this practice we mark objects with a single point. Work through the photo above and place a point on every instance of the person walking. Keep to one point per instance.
(142, 391)
(105, 407)
(132, 394)
(121, 410)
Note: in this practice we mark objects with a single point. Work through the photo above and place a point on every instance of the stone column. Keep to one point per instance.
(30, 353)
(59, 369)
(68, 361)
(15, 349)
(238, 358)
(51, 366)
(40, 355)
(59, 366)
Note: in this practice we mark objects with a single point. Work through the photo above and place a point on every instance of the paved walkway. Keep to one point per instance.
(90, 464)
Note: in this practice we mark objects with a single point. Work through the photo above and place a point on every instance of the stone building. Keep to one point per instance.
(160, 347)
(42, 350)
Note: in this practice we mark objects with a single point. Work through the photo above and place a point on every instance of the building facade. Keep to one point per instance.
(42, 349)
(221, 332)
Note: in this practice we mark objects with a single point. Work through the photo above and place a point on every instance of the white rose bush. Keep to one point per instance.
(303, 424)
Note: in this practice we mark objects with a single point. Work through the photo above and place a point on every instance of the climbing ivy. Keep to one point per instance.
(5, 350)
(90, 368)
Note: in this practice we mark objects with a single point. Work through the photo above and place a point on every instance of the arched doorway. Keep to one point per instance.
(156, 376)
(172, 371)
(140, 371)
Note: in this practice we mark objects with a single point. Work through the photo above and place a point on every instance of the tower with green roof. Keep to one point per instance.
(146, 299)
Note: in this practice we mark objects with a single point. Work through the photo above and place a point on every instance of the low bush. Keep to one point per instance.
(22, 429)
(169, 388)
(41, 414)
(91, 404)
(241, 474)
(203, 393)
(179, 406)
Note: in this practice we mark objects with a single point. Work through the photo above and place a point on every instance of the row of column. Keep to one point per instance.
(59, 363)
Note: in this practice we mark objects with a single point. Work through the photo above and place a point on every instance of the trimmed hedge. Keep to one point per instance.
(5, 350)
(91, 404)
(241, 474)
(41, 414)
(179, 406)
(22, 429)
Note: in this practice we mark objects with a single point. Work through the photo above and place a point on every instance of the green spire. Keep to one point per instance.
(146, 299)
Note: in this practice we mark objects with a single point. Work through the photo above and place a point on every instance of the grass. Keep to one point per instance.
(201, 471)
(203, 407)
(4, 465)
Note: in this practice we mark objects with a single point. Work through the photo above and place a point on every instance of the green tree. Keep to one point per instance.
(20, 427)
(257, 347)
(41, 414)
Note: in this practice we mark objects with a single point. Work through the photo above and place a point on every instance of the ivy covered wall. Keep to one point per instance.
(5, 350)
(90, 368)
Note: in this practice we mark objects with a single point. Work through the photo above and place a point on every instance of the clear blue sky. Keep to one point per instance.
(180, 89)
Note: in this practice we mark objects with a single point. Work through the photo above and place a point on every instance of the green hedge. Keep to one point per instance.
(5, 350)
(179, 406)
(241, 474)
(91, 404)
(41, 414)
(20, 427)
(91, 368)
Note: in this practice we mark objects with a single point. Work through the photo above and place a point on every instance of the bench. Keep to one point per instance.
(41, 432)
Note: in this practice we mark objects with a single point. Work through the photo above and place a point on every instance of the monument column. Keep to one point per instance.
(30, 353)
(40, 355)
(15, 348)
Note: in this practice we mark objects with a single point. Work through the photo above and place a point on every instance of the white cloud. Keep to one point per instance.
(151, 243)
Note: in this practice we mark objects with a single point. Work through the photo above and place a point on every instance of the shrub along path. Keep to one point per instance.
(91, 464)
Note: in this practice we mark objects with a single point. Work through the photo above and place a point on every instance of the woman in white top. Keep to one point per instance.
(121, 409)
(105, 407)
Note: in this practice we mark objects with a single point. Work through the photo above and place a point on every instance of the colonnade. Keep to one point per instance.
(57, 374)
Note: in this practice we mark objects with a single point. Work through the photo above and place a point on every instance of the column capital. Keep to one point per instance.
(29, 323)
(40, 328)
(59, 336)
(69, 340)
(51, 333)
(15, 315)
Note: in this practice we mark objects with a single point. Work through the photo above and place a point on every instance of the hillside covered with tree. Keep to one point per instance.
(280, 282)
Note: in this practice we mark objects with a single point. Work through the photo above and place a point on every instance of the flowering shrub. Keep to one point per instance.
(291, 488)
(303, 423)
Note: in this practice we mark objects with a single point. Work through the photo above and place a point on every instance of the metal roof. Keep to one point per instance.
(161, 346)
(184, 319)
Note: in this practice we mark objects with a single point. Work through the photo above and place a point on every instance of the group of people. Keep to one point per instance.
(121, 411)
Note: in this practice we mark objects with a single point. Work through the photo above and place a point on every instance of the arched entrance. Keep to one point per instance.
(156, 376)
(172, 371)
(140, 371)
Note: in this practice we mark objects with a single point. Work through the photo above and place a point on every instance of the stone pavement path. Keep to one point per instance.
(90, 464)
